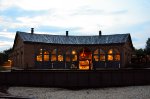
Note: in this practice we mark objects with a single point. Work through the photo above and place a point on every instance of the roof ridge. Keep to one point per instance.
(74, 35)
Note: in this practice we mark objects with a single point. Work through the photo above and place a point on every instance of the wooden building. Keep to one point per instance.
(41, 51)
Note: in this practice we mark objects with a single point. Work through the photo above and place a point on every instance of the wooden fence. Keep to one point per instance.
(76, 78)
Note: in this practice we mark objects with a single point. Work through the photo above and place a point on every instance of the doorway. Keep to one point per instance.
(85, 59)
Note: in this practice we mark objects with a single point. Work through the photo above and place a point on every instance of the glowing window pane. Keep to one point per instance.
(54, 51)
(46, 57)
(40, 51)
(84, 65)
(39, 58)
(102, 57)
(53, 58)
(60, 57)
(101, 51)
(110, 57)
(74, 52)
(110, 51)
(46, 52)
(96, 58)
(96, 51)
(74, 57)
(67, 58)
(117, 57)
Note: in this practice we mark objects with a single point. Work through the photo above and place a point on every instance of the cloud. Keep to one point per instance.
(79, 17)
(7, 35)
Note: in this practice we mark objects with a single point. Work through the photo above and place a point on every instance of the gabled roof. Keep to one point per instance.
(63, 39)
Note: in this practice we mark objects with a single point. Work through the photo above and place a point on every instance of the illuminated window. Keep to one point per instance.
(74, 55)
(46, 55)
(54, 51)
(39, 58)
(46, 52)
(113, 54)
(60, 55)
(102, 55)
(54, 55)
(96, 55)
(41, 50)
(39, 55)
(116, 55)
(53, 58)
(110, 51)
(110, 55)
(74, 52)
(68, 56)
(96, 51)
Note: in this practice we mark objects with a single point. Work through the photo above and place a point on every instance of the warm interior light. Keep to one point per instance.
(67, 58)
(74, 58)
(60, 58)
(46, 57)
(46, 52)
(95, 57)
(110, 51)
(39, 57)
(84, 65)
(117, 57)
(102, 57)
(110, 57)
(73, 52)
(53, 58)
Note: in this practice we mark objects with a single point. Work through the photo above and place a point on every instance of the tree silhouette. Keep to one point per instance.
(147, 48)
(4, 55)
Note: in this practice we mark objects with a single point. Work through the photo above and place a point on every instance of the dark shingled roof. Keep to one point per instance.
(63, 39)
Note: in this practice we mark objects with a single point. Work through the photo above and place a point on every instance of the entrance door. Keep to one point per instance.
(85, 59)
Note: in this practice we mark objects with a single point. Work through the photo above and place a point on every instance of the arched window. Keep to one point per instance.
(60, 55)
(46, 55)
(102, 55)
(96, 55)
(110, 55)
(74, 55)
(113, 54)
(116, 55)
(54, 55)
(39, 55)
(68, 59)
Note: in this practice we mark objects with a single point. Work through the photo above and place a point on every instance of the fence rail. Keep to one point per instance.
(76, 78)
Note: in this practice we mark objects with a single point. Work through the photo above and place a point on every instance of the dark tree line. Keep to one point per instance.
(4, 55)
(142, 52)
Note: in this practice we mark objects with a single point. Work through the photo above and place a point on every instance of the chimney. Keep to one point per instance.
(100, 33)
(32, 30)
(66, 33)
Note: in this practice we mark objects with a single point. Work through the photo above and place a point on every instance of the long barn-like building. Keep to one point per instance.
(43, 51)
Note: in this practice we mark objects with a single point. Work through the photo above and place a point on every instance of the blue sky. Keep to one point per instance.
(79, 17)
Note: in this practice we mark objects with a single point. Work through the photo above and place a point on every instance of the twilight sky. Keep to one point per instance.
(79, 17)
